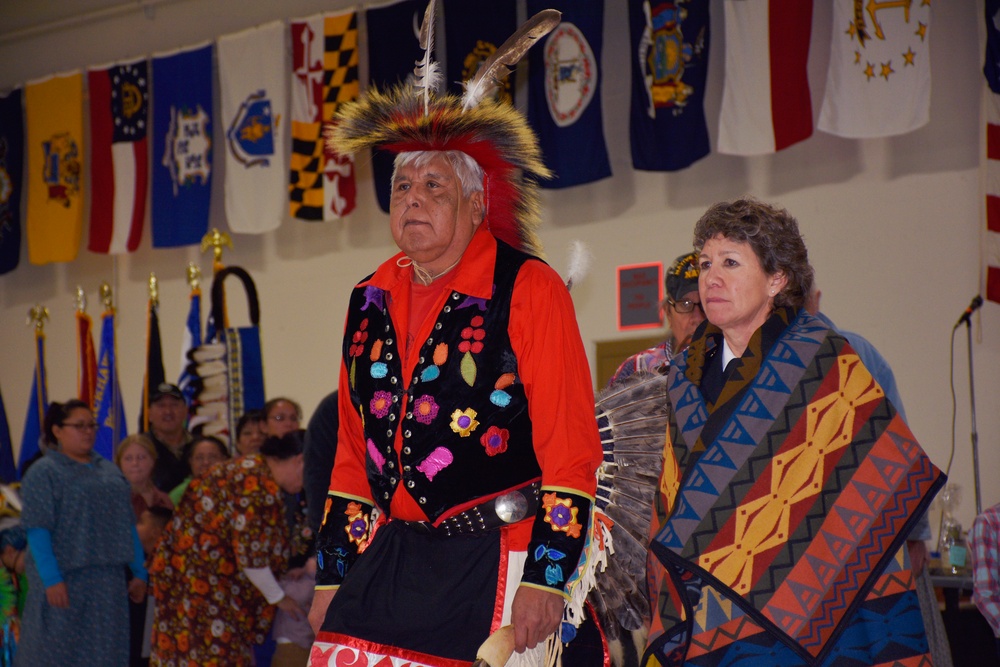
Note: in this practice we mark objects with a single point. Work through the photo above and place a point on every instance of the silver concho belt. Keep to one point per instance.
(492, 514)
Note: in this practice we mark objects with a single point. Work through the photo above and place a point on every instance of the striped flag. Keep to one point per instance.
(564, 94)
(992, 184)
(8, 468)
(54, 119)
(324, 75)
(86, 369)
(253, 90)
(11, 179)
(878, 83)
(765, 100)
(191, 340)
(38, 405)
(670, 43)
(182, 146)
(119, 156)
(111, 428)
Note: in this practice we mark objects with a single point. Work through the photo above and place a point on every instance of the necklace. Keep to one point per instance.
(424, 277)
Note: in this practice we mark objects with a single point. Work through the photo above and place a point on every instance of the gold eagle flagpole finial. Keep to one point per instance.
(215, 240)
(37, 316)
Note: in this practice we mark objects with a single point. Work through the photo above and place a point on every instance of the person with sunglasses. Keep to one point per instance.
(81, 536)
(682, 310)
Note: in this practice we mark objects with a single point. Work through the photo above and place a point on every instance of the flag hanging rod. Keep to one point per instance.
(146, 6)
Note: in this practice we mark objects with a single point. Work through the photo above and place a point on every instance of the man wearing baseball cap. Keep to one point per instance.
(167, 430)
(682, 309)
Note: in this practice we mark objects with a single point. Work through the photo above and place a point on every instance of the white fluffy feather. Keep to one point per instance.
(580, 260)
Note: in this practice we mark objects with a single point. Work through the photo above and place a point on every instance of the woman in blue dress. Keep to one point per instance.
(81, 537)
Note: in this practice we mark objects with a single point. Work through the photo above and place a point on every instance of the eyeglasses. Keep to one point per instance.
(685, 306)
(83, 426)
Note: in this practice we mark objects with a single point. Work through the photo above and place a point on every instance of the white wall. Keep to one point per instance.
(892, 225)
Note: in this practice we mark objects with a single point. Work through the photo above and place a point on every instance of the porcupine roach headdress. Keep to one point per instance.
(412, 117)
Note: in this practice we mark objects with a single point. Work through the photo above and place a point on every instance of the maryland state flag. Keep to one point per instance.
(54, 113)
(324, 75)
(111, 428)
(11, 179)
(564, 94)
(86, 370)
(182, 146)
(398, 25)
(669, 56)
(38, 405)
(473, 31)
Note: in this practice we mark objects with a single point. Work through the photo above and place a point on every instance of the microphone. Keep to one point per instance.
(977, 303)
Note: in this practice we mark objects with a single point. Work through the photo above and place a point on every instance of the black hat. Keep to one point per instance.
(165, 389)
(682, 276)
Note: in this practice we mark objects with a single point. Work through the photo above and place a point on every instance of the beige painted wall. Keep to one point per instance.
(893, 228)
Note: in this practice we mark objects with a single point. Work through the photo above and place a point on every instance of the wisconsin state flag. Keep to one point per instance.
(765, 101)
(119, 156)
(324, 76)
(669, 58)
(11, 179)
(253, 86)
(54, 118)
(397, 24)
(878, 83)
(182, 146)
(564, 93)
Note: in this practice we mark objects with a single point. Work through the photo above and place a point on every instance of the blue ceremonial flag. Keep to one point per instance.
(38, 405)
(182, 147)
(991, 68)
(11, 179)
(564, 93)
(473, 31)
(191, 340)
(111, 428)
(669, 57)
(396, 25)
(8, 468)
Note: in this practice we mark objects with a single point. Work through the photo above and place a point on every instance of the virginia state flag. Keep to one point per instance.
(765, 101)
(473, 31)
(564, 94)
(38, 405)
(398, 25)
(253, 89)
(111, 427)
(669, 57)
(878, 82)
(119, 156)
(54, 118)
(324, 76)
(11, 179)
(86, 368)
(8, 469)
(182, 146)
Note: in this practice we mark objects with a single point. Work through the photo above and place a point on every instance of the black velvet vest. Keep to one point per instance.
(466, 429)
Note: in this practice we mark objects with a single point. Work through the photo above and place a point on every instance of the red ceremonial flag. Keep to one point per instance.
(992, 184)
(86, 372)
(119, 156)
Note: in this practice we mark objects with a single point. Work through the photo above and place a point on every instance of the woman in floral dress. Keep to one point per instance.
(213, 573)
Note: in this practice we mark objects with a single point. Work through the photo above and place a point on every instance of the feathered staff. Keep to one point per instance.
(498, 67)
(427, 74)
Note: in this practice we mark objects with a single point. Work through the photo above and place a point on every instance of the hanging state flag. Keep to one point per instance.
(473, 31)
(38, 405)
(86, 369)
(11, 179)
(8, 468)
(253, 86)
(324, 76)
(991, 66)
(111, 428)
(765, 100)
(119, 156)
(54, 119)
(564, 94)
(190, 340)
(878, 83)
(182, 146)
(670, 43)
(155, 375)
(399, 25)
(991, 255)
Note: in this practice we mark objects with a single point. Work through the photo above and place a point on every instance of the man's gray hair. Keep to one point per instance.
(468, 171)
